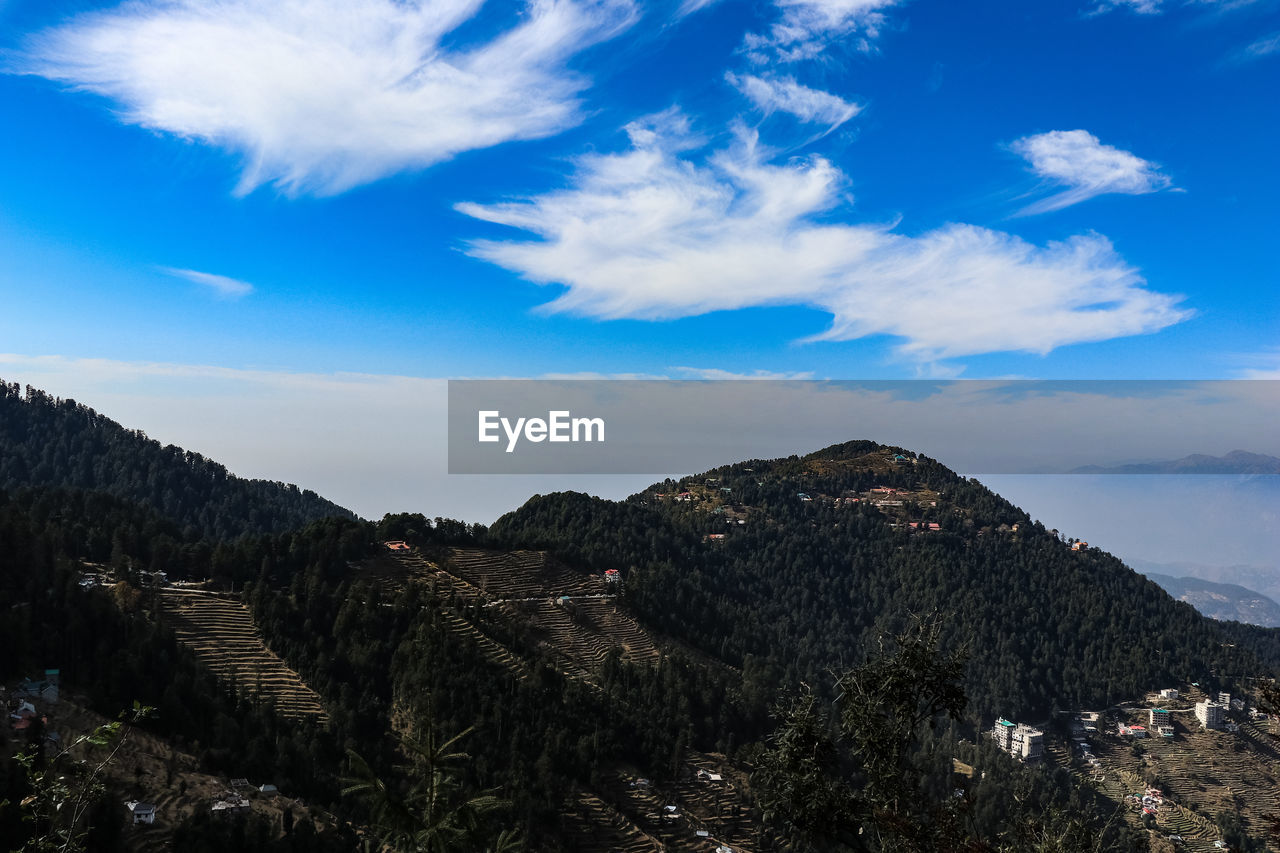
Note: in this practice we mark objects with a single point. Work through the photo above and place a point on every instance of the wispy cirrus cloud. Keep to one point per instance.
(226, 288)
(772, 94)
(1263, 365)
(804, 28)
(1156, 7)
(319, 96)
(1265, 46)
(651, 233)
(688, 7)
(1079, 161)
(1141, 7)
(702, 373)
(716, 373)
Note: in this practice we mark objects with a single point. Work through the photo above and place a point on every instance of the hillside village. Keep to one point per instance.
(902, 498)
(1173, 761)
(158, 784)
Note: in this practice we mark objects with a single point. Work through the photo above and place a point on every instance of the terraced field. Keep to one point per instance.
(582, 631)
(155, 770)
(1201, 774)
(673, 814)
(520, 574)
(220, 630)
(527, 588)
(524, 590)
(598, 827)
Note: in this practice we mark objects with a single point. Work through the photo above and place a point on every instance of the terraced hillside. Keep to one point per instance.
(221, 632)
(707, 798)
(574, 614)
(156, 771)
(1200, 773)
(583, 631)
(597, 826)
(520, 574)
(578, 617)
(703, 810)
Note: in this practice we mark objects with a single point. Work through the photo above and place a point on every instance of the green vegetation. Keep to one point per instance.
(804, 584)
(436, 814)
(760, 649)
(66, 786)
(45, 441)
(878, 777)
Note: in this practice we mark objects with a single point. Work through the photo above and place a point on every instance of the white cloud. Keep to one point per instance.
(320, 96)
(783, 94)
(805, 27)
(715, 373)
(681, 373)
(1077, 160)
(1156, 7)
(1141, 7)
(1265, 46)
(1265, 365)
(227, 288)
(688, 7)
(649, 233)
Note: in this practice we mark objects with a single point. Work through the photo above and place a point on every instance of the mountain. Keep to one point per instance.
(804, 583)
(1223, 601)
(1261, 580)
(48, 442)
(629, 671)
(1239, 462)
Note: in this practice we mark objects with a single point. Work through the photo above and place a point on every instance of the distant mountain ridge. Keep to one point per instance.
(1264, 580)
(46, 442)
(1235, 462)
(1222, 601)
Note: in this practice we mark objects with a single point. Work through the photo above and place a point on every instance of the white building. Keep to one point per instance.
(1169, 693)
(1019, 740)
(142, 812)
(1210, 714)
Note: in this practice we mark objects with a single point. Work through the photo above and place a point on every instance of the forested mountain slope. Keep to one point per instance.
(740, 589)
(114, 647)
(46, 441)
(819, 555)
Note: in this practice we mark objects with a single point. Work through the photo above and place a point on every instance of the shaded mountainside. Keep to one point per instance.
(819, 556)
(46, 441)
(114, 647)
(1222, 601)
(626, 711)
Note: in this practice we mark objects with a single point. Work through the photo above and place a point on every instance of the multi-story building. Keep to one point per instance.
(1159, 717)
(1019, 740)
(1210, 714)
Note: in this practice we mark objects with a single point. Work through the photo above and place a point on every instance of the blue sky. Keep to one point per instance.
(838, 188)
